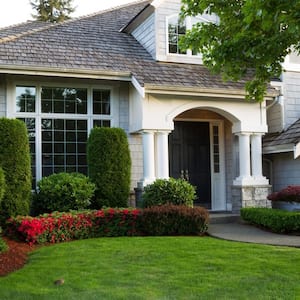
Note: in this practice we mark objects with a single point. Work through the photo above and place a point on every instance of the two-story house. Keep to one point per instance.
(123, 67)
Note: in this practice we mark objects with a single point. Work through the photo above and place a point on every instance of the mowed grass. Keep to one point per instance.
(157, 268)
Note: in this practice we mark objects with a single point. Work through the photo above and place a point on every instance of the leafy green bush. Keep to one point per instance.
(171, 219)
(63, 192)
(3, 245)
(173, 191)
(15, 162)
(273, 219)
(2, 184)
(109, 166)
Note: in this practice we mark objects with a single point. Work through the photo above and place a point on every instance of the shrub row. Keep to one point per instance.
(289, 194)
(58, 227)
(174, 220)
(278, 221)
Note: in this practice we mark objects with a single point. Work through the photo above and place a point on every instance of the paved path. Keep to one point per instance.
(250, 234)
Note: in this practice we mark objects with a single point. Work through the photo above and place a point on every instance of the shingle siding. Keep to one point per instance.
(145, 34)
(274, 116)
(291, 93)
(286, 171)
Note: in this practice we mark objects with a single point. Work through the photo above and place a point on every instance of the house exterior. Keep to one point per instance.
(123, 68)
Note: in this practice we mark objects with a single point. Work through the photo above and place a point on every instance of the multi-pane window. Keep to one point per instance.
(25, 99)
(64, 100)
(58, 121)
(176, 29)
(216, 149)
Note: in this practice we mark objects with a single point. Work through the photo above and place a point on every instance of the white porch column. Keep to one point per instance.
(256, 159)
(244, 160)
(162, 155)
(148, 157)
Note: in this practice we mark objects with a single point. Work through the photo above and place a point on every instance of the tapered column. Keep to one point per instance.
(162, 155)
(244, 159)
(148, 157)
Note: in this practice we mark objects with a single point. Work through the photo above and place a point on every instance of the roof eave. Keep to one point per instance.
(278, 148)
(198, 91)
(66, 72)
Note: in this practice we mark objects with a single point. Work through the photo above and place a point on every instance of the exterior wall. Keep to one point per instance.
(2, 96)
(291, 91)
(145, 34)
(285, 170)
(275, 118)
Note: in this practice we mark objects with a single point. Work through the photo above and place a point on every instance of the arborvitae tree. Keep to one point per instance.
(53, 11)
(15, 162)
(109, 166)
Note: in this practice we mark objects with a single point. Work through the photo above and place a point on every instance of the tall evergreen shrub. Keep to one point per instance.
(15, 162)
(109, 166)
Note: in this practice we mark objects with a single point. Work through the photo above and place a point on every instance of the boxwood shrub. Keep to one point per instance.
(172, 219)
(15, 162)
(63, 192)
(172, 191)
(276, 220)
(109, 165)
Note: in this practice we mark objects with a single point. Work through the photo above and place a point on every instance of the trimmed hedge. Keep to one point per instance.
(2, 184)
(59, 227)
(109, 166)
(15, 162)
(172, 191)
(276, 220)
(173, 220)
(63, 192)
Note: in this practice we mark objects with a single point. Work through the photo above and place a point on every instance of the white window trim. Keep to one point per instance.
(38, 115)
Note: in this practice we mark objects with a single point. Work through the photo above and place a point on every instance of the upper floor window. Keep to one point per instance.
(176, 29)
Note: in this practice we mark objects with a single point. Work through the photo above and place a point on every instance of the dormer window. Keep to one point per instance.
(176, 29)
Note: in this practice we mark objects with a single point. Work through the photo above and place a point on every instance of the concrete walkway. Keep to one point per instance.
(241, 232)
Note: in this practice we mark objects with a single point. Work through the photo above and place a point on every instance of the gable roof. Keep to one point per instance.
(95, 45)
(285, 141)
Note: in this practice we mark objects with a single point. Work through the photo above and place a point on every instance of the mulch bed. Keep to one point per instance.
(15, 257)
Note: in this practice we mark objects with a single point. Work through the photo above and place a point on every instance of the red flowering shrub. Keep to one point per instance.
(58, 227)
(288, 194)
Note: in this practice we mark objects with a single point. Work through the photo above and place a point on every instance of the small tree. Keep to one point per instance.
(15, 162)
(109, 166)
(53, 11)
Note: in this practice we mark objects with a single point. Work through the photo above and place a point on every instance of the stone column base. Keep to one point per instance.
(250, 196)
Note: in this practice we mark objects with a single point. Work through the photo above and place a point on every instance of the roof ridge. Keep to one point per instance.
(13, 37)
(48, 25)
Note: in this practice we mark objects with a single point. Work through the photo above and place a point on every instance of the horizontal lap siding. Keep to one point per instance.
(2, 97)
(145, 34)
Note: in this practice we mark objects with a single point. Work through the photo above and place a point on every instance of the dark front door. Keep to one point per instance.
(189, 146)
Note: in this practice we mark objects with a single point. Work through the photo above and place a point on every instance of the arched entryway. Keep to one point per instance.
(196, 153)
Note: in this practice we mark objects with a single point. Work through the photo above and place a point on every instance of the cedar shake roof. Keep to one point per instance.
(95, 43)
(289, 136)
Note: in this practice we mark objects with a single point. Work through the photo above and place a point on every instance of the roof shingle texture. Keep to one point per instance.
(95, 43)
(289, 136)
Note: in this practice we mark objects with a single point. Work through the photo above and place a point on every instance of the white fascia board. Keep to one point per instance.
(278, 149)
(297, 150)
(195, 91)
(60, 72)
(137, 86)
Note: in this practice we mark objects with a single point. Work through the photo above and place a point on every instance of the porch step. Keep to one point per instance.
(219, 218)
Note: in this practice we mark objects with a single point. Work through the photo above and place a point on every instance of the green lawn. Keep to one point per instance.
(157, 268)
